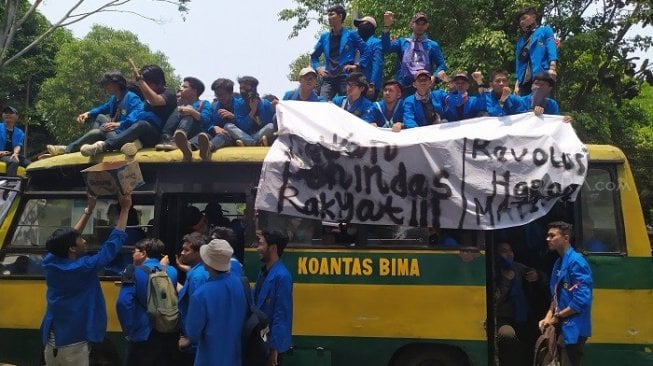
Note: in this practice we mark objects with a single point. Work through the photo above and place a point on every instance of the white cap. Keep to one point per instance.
(217, 254)
(368, 19)
(306, 71)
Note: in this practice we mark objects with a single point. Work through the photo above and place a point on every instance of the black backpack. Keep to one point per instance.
(255, 332)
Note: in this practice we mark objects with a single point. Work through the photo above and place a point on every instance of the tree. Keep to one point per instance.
(80, 64)
(598, 78)
(16, 13)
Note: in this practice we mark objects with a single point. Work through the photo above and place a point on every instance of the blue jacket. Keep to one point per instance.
(401, 45)
(195, 278)
(543, 50)
(374, 70)
(76, 310)
(264, 114)
(414, 111)
(130, 108)
(362, 108)
(17, 139)
(550, 105)
(513, 105)
(206, 113)
(236, 268)
(131, 305)
(470, 109)
(219, 308)
(294, 95)
(274, 298)
(216, 120)
(379, 117)
(571, 279)
(349, 44)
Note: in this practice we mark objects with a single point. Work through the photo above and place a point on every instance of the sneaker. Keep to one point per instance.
(264, 141)
(131, 148)
(165, 146)
(182, 143)
(204, 144)
(54, 150)
(240, 143)
(92, 149)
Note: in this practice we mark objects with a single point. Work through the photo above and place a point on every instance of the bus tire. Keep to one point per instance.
(429, 355)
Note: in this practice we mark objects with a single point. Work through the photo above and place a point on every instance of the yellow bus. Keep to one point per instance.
(363, 295)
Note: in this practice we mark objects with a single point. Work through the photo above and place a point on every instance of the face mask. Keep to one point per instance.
(366, 30)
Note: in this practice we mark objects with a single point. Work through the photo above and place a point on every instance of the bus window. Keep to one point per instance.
(600, 230)
(42, 216)
(9, 189)
(21, 264)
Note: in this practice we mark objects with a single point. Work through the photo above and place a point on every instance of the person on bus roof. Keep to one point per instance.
(76, 311)
(414, 53)
(355, 101)
(339, 47)
(160, 101)
(191, 117)
(119, 112)
(389, 111)
(499, 100)
(424, 107)
(374, 71)
(458, 104)
(306, 91)
(146, 346)
(535, 52)
(253, 123)
(13, 139)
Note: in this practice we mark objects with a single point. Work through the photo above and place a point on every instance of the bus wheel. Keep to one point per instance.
(104, 354)
(426, 355)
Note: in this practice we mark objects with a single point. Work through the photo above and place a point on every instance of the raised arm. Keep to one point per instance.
(88, 211)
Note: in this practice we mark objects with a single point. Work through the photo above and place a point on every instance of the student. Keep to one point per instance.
(389, 111)
(414, 53)
(253, 117)
(424, 107)
(499, 100)
(571, 288)
(114, 116)
(374, 70)
(535, 52)
(191, 117)
(458, 104)
(76, 312)
(273, 292)
(355, 101)
(145, 345)
(339, 47)
(12, 138)
(160, 101)
(539, 100)
(306, 91)
(218, 309)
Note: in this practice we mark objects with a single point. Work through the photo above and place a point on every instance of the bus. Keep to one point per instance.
(363, 294)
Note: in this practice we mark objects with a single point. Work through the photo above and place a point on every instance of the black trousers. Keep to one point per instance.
(157, 350)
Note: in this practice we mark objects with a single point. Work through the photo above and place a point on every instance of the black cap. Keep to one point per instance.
(10, 110)
(527, 10)
(420, 16)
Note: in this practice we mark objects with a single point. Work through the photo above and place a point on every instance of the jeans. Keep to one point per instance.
(332, 86)
(177, 121)
(11, 165)
(75, 355)
(250, 140)
(216, 142)
(90, 137)
(141, 130)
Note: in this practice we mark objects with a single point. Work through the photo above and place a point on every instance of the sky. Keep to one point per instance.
(219, 38)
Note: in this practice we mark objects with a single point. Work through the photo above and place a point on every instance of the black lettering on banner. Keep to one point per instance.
(555, 163)
(519, 158)
(462, 185)
(480, 145)
(500, 152)
(381, 185)
(346, 204)
(540, 157)
(504, 205)
(398, 183)
(581, 166)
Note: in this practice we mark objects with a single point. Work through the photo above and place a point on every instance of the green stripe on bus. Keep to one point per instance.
(612, 272)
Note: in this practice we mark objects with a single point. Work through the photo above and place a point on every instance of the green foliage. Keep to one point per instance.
(79, 66)
(598, 83)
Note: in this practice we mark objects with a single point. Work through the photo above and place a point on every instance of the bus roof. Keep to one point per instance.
(597, 153)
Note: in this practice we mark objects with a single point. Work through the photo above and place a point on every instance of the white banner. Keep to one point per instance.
(482, 173)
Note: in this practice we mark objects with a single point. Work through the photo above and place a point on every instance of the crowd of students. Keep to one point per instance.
(346, 68)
